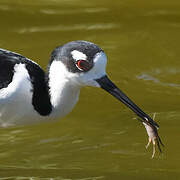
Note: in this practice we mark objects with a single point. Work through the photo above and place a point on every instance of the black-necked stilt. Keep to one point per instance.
(28, 94)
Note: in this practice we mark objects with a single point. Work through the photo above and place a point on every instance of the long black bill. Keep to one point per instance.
(110, 87)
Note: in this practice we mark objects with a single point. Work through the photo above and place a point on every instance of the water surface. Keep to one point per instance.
(100, 139)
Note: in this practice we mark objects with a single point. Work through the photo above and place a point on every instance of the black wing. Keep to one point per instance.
(7, 63)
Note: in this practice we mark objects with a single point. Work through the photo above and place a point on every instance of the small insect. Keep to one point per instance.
(153, 136)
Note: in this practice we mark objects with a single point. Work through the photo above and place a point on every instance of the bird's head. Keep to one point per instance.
(84, 64)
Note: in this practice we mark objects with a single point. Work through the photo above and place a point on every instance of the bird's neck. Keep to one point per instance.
(63, 93)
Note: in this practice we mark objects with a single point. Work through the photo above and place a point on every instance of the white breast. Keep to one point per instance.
(63, 92)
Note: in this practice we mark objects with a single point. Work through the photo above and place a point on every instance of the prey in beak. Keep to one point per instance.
(150, 125)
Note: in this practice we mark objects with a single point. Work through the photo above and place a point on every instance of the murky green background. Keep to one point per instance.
(100, 139)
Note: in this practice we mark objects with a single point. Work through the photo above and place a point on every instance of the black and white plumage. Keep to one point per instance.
(28, 94)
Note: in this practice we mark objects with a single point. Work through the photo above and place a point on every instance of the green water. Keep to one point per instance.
(100, 139)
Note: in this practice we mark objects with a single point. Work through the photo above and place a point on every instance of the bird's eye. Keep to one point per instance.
(83, 65)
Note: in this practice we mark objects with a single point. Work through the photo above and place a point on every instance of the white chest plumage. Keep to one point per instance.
(64, 94)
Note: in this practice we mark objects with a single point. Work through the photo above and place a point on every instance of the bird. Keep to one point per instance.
(29, 95)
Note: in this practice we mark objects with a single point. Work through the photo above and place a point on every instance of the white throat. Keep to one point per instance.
(65, 85)
(64, 94)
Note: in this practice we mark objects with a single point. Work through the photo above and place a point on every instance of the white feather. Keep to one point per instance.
(63, 92)
(77, 55)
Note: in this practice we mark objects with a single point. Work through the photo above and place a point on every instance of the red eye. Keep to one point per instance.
(83, 65)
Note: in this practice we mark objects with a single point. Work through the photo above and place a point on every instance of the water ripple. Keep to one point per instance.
(73, 11)
(159, 76)
(36, 29)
